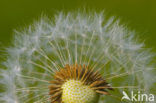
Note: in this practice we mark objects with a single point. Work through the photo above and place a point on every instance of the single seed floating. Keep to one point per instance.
(77, 84)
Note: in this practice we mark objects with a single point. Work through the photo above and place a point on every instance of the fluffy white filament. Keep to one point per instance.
(90, 39)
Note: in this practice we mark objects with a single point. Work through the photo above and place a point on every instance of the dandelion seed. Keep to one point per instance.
(77, 84)
(75, 58)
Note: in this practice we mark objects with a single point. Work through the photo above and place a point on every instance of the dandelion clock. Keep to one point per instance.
(77, 58)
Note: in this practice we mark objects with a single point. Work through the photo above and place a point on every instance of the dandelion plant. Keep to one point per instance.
(75, 58)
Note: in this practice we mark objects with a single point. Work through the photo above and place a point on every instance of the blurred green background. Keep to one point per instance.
(139, 15)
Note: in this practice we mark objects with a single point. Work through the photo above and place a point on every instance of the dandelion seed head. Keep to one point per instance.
(41, 50)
